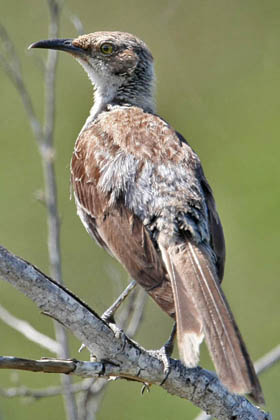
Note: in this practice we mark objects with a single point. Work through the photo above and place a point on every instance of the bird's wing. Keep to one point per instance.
(215, 226)
(116, 228)
(217, 239)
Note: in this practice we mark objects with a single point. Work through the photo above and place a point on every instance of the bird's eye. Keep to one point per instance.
(106, 48)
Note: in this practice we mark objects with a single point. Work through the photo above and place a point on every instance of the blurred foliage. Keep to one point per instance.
(217, 66)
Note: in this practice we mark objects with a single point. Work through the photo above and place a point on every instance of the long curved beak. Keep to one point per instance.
(60, 45)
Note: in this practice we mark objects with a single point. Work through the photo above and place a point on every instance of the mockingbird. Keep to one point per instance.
(142, 195)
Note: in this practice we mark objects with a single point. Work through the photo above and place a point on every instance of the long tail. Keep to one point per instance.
(202, 310)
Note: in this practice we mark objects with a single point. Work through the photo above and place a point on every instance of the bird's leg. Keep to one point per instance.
(108, 315)
(165, 352)
(169, 345)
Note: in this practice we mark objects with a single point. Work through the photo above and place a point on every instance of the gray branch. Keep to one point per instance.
(47, 151)
(47, 155)
(260, 365)
(268, 360)
(117, 355)
(11, 65)
(36, 394)
(76, 22)
(24, 328)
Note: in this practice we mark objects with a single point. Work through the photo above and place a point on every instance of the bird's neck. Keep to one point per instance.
(135, 90)
(122, 96)
(126, 94)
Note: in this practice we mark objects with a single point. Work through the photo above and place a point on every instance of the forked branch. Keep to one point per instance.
(116, 354)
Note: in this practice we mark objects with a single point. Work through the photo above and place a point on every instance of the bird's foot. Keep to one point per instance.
(165, 352)
(119, 334)
(108, 315)
(82, 347)
(146, 387)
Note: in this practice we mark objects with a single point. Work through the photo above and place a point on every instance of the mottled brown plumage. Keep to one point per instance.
(142, 195)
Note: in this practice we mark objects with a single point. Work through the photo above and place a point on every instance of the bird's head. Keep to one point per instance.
(119, 65)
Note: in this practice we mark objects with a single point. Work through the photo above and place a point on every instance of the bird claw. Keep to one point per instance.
(119, 333)
(163, 354)
(145, 387)
(82, 347)
(108, 317)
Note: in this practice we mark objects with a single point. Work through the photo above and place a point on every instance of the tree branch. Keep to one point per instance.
(11, 65)
(29, 332)
(260, 365)
(47, 155)
(76, 22)
(90, 400)
(116, 354)
(46, 148)
(50, 391)
(268, 360)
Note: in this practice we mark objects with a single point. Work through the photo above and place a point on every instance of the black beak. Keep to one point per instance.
(58, 44)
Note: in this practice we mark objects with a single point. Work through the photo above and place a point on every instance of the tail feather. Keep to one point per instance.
(189, 326)
(196, 289)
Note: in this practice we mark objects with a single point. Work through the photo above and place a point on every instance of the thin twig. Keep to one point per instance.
(91, 399)
(51, 391)
(47, 154)
(10, 63)
(47, 151)
(76, 22)
(268, 360)
(29, 332)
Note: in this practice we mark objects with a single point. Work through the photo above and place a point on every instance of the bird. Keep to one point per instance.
(141, 193)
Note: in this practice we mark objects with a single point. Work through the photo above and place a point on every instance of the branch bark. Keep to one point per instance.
(261, 365)
(116, 355)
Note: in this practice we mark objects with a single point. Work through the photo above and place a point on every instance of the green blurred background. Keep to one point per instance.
(217, 65)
